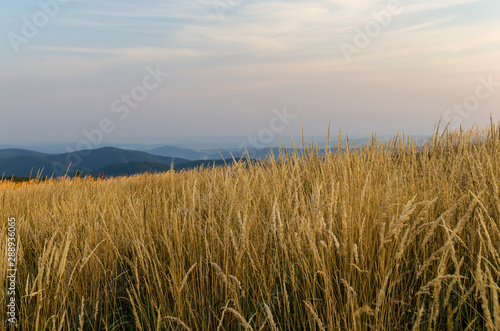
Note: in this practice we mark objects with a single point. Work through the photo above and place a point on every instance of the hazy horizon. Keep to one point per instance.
(193, 143)
(123, 72)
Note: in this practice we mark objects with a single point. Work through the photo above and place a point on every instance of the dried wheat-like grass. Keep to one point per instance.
(315, 316)
(387, 236)
(270, 318)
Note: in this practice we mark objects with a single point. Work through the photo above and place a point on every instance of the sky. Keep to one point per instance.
(147, 71)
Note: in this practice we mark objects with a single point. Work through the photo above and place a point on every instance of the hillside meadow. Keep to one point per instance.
(392, 235)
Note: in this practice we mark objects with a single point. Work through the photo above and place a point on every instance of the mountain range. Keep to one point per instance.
(112, 161)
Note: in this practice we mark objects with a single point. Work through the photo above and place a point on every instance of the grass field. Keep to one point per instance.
(392, 236)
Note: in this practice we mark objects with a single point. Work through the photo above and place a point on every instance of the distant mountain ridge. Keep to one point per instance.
(101, 157)
(172, 151)
(23, 163)
(113, 161)
(12, 152)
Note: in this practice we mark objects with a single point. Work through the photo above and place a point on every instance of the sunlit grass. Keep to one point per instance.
(392, 236)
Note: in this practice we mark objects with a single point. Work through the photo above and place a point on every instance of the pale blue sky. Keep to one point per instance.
(228, 72)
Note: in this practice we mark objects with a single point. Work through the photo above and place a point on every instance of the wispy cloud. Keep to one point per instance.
(424, 6)
(420, 26)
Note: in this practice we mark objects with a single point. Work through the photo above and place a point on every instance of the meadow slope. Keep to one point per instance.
(392, 236)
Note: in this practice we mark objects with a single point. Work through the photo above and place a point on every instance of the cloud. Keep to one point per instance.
(424, 6)
(420, 26)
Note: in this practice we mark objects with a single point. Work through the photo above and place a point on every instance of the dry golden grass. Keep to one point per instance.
(391, 237)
